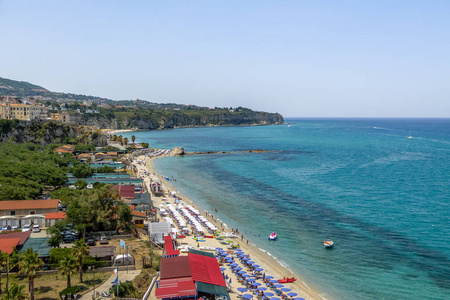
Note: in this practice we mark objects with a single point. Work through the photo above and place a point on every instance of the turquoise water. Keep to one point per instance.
(381, 196)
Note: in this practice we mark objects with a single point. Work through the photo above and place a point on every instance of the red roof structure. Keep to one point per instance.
(29, 204)
(125, 191)
(168, 244)
(22, 236)
(57, 215)
(206, 269)
(176, 288)
(8, 245)
(139, 214)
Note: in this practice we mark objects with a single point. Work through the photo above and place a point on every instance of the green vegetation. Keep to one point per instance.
(81, 171)
(26, 169)
(67, 266)
(29, 263)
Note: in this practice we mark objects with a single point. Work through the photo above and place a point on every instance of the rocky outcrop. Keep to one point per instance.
(178, 151)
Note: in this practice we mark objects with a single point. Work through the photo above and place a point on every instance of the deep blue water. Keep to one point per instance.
(381, 196)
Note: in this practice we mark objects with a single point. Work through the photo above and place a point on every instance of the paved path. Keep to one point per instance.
(123, 276)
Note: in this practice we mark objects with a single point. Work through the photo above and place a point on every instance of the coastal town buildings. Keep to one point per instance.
(20, 111)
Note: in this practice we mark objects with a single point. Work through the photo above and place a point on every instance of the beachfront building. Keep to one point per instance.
(23, 212)
(138, 218)
(193, 276)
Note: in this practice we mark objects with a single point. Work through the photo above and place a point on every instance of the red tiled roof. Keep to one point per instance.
(139, 214)
(57, 215)
(23, 236)
(8, 245)
(125, 191)
(175, 267)
(177, 287)
(205, 269)
(28, 204)
(168, 245)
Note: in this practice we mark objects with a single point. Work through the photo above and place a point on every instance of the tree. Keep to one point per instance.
(81, 171)
(67, 266)
(55, 233)
(81, 184)
(29, 263)
(133, 138)
(125, 141)
(15, 292)
(3, 261)
(124, 218)
(79, 250)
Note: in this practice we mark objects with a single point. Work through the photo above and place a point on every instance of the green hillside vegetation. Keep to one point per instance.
(25, 169)
(19, 85)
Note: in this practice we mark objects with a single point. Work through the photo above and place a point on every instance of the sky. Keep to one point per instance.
(297, 58)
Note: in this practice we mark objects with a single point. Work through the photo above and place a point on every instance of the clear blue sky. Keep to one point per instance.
(298, 58)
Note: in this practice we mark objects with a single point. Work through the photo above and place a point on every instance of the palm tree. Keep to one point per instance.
(125, 141)
(133, 138)
(3, 260)
(79, 250)
(29, 262)
(67, 266)
(15, 292)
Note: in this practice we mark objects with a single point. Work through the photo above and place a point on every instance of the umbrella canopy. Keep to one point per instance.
(245, 275)
(256, 266)
(299, 298)
(219, 249)
(241, 289)
(259, 269)
(256, 284)
(251, 262)
(285, 290)
(247, 296)
(279, 285)
(242, 272)
(291, 294)
(273, 281)
(246, 258)
(223, 269)
(249, 279)
(233, 265)
(274, 298)
(261, 288)
(237, 268)
(269, 294)
(269, 277)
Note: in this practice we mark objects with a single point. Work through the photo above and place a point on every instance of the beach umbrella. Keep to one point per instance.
(242, 272)
(261, 288)
(245, 275)
(237, 268)
(291, 294)
(247, 296)
(234, 265)
(256, 284)
(269, 277)
(250, 279)
(259, 269)
(219, 249)
(246, 258)
(256, 266)
(299, 298)
(241, 289)
(279, 286)
(230, 280)
(269, 294)
(222, 269)
(285, 290)
(274, 298)
(273, 281)
(251, 262)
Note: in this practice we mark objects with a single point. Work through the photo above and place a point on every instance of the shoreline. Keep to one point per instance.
(270, 264)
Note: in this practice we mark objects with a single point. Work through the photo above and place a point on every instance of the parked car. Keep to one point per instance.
(69, 239)
(104, 239)
(36, 228)
(14, 227)
(91, 242)
(6, 228)
(26, 228)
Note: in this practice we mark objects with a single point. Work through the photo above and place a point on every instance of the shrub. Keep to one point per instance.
(70, 290)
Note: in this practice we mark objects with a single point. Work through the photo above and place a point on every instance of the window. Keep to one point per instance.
(32, 212)
(13, 213)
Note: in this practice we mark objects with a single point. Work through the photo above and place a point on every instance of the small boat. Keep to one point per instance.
(287, 280)
(328, 243)
(273, 236)
(410, 137)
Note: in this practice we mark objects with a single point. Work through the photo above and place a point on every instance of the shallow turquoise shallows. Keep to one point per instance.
(379, 188)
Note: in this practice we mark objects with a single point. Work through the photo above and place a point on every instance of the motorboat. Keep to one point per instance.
(273, 236)
(328, 243)
(287, 280)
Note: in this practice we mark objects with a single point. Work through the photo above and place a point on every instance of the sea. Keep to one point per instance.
(379, 188)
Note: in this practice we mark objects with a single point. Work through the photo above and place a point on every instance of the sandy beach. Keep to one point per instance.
(269, 264)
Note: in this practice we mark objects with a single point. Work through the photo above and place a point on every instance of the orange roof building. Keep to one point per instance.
(8, 245)
(28, 207)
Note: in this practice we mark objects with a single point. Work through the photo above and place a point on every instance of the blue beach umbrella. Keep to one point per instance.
(249, 279)
(299, 298)
(285, 290)
(241, 289)
(274, 298)
(246, 258)
(256, 266)
(219, 249)
(234, 265)
(245, 275)
(273, 281)
(269, 294)
(261, 288)
(279, 286)
(237, 268)
(251, 262)
(242, 272)
(291, 294)
(269, 277)
(222, 269)
(256, 284)
(259, 269)
(247, 296)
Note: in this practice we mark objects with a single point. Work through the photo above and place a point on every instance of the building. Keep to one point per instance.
(22, 208)
(65, 149)
(125, 191)
(52, 218)
(23, 112)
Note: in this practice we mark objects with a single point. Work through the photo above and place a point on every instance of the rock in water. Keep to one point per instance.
(178, 151)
